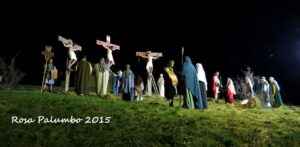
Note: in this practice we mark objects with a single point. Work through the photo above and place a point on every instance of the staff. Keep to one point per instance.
(182, 52)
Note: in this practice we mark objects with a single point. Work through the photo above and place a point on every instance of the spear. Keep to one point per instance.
(182, 52)
(44, 75)
(47, 54)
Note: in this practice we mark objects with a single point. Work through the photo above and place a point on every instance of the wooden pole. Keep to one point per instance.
(182, 52)
(44, 75)
(48, 54)
(73, 47)
(68, 74)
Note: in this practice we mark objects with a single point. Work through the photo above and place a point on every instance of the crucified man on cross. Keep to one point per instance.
(149, 56)
(72, 47)
(109, 47)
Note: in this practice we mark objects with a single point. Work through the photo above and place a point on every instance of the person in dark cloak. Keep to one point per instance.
(192, 97)
(275, 92)
(82, 76)
(202, 83)
(170, 82)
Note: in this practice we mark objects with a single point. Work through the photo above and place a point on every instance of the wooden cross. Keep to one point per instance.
(107, 44)
(150, 80)
(153, 54)
(69, 43)
(110, 48)
(48, 54)
(72, 47)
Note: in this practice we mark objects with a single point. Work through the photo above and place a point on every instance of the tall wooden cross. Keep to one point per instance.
(150, 80)
(48, 54)
(72, 47)
(110, 48)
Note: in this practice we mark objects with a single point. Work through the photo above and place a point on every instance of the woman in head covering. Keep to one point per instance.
(203, 83)
(216, 85)
(265, 91)
(230, 90)
(249, 87)
(101, 70)
(128, 84)
(114, 79)
(275, 92)
(161, 85)
(189, 74)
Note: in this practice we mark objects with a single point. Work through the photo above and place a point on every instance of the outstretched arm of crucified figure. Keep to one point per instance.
(143, 56)
(114, 47)
(155, 57)
(68, 44)
(76, 47)
(108, 46)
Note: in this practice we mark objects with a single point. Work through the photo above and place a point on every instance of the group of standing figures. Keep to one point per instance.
(268, 92)
(190, 82)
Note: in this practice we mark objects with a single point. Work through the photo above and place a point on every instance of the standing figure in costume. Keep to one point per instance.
(171, 82)
(120, 75)
(161, 85)
(249, 87)
(128, 84)
(72, 47)
(82, 76)
(51, 75)
(115, 80)
(265, 92)
(139, 87)
(230, 91)
(203, 83)
(216, 86)
(275, 92)
(192, 97)
(101, 70)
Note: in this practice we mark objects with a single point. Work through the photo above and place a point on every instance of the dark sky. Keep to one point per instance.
(222, 36)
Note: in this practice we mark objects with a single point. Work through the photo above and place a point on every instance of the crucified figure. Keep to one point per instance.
(110, 48)
(149, 57)
(72, 47)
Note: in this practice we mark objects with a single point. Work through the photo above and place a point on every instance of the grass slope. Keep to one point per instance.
(148, 123)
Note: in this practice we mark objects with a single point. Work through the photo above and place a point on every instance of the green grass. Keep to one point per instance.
(148, 123)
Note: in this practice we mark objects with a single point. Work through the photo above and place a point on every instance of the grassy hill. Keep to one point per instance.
(148, 123)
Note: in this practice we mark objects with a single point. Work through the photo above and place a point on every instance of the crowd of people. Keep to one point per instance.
(190, 82)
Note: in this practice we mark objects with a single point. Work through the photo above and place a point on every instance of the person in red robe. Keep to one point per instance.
(230, 92)
(216, 84)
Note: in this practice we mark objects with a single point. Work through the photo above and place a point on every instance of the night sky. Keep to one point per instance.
(222, 36)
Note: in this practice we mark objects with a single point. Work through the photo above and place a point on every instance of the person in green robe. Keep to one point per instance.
(192, 97)
(101, 71)
(82, 74)
(275, 92)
